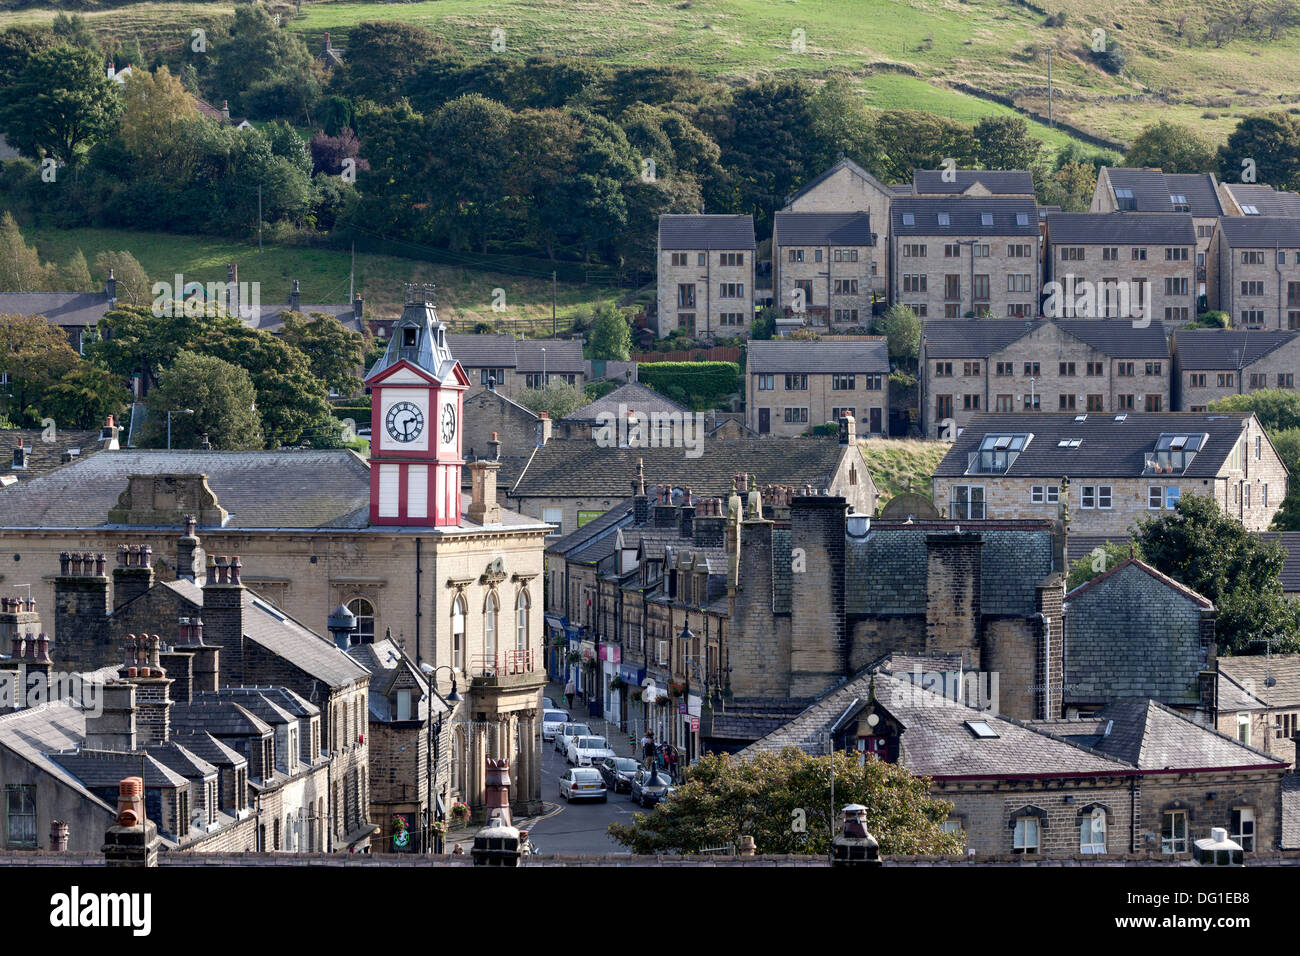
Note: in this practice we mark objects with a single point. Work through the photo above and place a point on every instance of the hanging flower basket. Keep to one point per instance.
(573, 657)
(460, 812)
(662, 700)
(676, 688)
(438, 827)
(616, 683)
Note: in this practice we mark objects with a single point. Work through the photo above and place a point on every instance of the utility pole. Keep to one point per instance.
(1050, 121)
(259, 219)
(352, 274)
(552, 303)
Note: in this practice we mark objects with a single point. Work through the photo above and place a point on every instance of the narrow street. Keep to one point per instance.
(578, 827)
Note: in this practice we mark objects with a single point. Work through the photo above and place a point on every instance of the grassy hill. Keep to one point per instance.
(899, 465)
(464, 295)
(902, 53)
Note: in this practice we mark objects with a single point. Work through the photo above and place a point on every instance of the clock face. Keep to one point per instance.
(448, 424)
(404, 422)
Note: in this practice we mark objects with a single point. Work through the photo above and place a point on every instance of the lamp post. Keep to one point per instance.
(544, 375)
(435, 745)
(175, 411)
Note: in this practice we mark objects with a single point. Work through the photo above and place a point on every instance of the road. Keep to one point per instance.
(578, 827)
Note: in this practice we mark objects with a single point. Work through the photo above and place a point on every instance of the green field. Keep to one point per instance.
(464, 295)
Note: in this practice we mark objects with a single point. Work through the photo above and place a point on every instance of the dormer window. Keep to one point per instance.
(1124, 199)
(409, 336)
(1174, 453)
(996, 454)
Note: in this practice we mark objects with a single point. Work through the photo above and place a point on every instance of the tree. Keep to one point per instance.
(75, 276)
(59, 105)
(85, 396)
(154, 104)
(841, 126)
(725, 798)
(37, 355)
(383, 58)
(912, 139)
(74, 31)
(334, 352)
(1173, 148)
(18, 45)
(221, 396)
(329, 152)
(1287, 443)
(902, 328)
(543, 162)
(21, 269)
(764, 326)
(469, 170)
(611, 335)
(262, 68)
(1004, 142)
(133, 340)
(558, 399)
(1213, 554)
(1099, 561)
(1272, 142)
(1276, 408)
(132, 281)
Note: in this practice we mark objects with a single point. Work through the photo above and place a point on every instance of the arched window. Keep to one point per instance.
(364, 612)
(458, 633)
(490, 608)
(522, 604)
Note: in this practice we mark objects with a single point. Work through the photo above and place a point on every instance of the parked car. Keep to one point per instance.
(583, 783)
(569, 730)
(587, 751)
(552, 721)
(548, 704)
(648, 790)
(618, 773)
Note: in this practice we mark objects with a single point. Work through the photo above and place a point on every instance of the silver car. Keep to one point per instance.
(569, 730)
(583, 783)
(552, 721)
(587, 751)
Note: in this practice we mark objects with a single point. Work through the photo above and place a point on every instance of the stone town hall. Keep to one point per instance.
(455, 582)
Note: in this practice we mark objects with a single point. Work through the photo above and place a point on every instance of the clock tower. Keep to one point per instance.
(417, 397)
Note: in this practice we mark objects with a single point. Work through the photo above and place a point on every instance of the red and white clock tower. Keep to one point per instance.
(417, 399)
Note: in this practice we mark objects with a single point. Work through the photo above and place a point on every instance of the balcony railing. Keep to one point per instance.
(502, 664)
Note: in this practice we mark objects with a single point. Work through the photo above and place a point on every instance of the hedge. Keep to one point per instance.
(697, 385)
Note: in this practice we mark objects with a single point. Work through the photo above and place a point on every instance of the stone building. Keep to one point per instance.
(499, 428)
(1121, 189)
(646, 411)
(705, 275)
(826, 269)
(76, 313)
(32, 452)
(965, 256)
(791, 387)
(1258, 199)
(1119, 468)
(1210, 364)
(1138, 776)
(1255, 263)
(975, 183)
(1060, 365)
(1134, 265)
(1257, 702)
(512, 365)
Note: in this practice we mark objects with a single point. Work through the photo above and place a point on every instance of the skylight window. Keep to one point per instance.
(986, 219)
(1081, 418)
(1076, 442)
(1174, 453)
(1178, 199)
(1124, 198)
(997, 453)
(1250, 210)
(1121, 418)
(944, 219)
(1022, 219)
(909, 219)
(981, 729)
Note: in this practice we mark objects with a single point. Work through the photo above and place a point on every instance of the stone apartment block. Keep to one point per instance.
(965, 256)
(1258, 702)
(1210, 364)
(825, 269)
(512, 365)
(1121, 189)
(848, 188)
(1119, 468)
(1257, 271)
(705, 275)
(791, 387)
(1136, 265)
(1258, 199)
(1061, 365)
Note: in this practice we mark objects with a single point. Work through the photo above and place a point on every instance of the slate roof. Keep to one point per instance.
(1290, 540)
(1119, 623)
(216, 715)
(33, 732)
(823, 229)
(1107, 448)
(1153, 190)
(569, 467)
(103, 768)
(178, 758)
(869, 354)
(562, 355)
(43, 457)
(1002, 182)
(71, 309)
(747, 719)
(204, 745)
(523, 355)
(1269, 201)
(260, 489)
(619, 515)
(965, 216)
(1226, 348)
(634, 396)
(283, 636)
(852, 167)
(1291, 811)
(971, 338)
(706, 232)
(1083, 228)
(1245, 232)
(1151, 736)
(935, 741)
(1243, 681)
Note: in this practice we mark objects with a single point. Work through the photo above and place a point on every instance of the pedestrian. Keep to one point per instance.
(569, 691)
(648, 748)
(670, 758)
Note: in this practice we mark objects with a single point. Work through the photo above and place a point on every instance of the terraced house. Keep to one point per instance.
(1135, 265)
(1119, 468)
(1062, 365)
(512, 365)
(705, 275)
(793, 386)
(825, 269)
(964, 256)
(1210, 364)
(1256, 271)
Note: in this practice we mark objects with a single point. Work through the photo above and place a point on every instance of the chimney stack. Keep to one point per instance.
(58, 836)
(133, 839)
(114, 727)
(640, 500)
(108, 435)
(688, 514)
(223, 613)
(110, 287)
(81, 609)
(356, 308)
(295, 298)
(848, 430)
(190, 559)
(543, 427)
(133, 575)
(495, 445)
(483, 507)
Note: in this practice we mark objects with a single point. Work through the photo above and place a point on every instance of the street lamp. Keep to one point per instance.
(175, 411)
(544, 375)
(435, 741)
